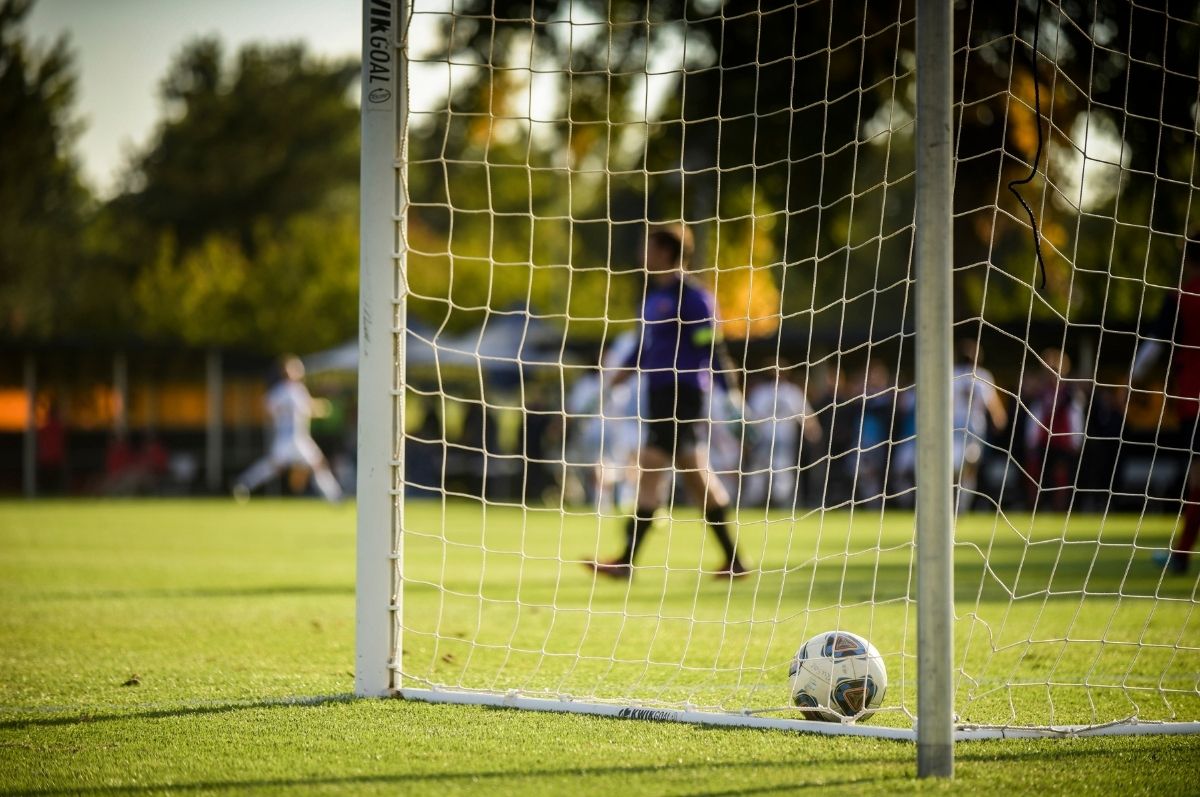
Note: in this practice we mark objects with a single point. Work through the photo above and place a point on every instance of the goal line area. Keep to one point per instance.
(823, 366)
(497, 600)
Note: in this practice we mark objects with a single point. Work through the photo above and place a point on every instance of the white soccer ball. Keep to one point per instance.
(837, 675)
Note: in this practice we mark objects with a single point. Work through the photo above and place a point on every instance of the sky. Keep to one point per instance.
(124, 47)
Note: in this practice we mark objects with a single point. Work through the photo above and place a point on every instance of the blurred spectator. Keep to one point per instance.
(878, 413)
(902, 471)
(621, 430)
(52, 452)
(133, 470)
(425, 449)
(182, 469)
(976, 404)
(1102, 448)
(826, 471)
(120, 471)
(154, 458)
(603, 431)
(779, 415)
(541, 420)
(1055, 436)
(585, 436)
(472, 454)
(725, 438)
(1178, 325)
(845, 429)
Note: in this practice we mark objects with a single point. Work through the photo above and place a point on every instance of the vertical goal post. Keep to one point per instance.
(511, 162)
(381, 348)
(933, 252)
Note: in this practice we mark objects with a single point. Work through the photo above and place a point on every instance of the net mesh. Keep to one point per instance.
(544, 140)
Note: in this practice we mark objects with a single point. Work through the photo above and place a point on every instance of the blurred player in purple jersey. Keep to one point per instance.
(676, 356)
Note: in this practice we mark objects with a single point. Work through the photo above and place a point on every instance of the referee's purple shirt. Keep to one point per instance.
(678, 331)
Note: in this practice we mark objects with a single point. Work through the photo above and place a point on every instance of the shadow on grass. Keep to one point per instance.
(479, 780)
(178, 711)
(1067, 750)
(277, 590)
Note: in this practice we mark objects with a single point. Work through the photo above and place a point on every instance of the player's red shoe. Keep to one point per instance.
(734, 569)
(619, 570)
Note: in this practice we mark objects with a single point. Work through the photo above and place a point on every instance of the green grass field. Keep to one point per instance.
(498, 599)
(207, 647)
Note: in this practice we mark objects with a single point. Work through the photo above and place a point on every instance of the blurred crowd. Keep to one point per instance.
(1038, 433)
(822, 435)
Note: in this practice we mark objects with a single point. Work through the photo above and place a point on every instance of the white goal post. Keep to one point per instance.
(936, 252)
(381, 349)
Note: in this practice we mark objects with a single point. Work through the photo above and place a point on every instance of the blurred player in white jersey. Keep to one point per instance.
(620, 432)
(726, 429)
(291, 408)
(779, 413)
(603, 428)
(583, 430)
(975, 401)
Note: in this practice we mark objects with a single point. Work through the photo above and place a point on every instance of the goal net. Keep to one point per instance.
(512, 424)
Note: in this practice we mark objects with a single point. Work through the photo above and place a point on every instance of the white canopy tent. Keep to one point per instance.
(506, 342)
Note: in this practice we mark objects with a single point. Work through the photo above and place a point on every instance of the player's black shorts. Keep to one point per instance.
(674, 418)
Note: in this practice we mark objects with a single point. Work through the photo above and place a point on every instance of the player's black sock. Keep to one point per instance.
(715, 515)
(635, 533)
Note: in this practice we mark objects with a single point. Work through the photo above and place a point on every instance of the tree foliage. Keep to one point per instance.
(243, 208)
(42, 201)
(268, 136)
(787, 139)
(782, 131)
(298, 291)
(236, 226)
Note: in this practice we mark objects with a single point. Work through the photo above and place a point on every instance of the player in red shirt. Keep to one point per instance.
(1178, 328)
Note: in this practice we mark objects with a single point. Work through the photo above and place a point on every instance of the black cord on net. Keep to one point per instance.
(1037, 155)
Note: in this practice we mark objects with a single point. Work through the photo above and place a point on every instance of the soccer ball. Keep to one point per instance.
(836, 675)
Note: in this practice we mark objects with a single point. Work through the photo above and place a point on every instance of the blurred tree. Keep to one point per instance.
(790, 126)
(236, 226)
(238, 221)
(271, 135)
(298, 292)
(42, 201)
(746, 123)
(1114, 193)
(782, 131)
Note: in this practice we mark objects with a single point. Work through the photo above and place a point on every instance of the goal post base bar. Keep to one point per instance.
(962, 733)
(970, 733)
(650, 713)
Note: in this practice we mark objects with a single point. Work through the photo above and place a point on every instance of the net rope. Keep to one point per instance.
(540, 148)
